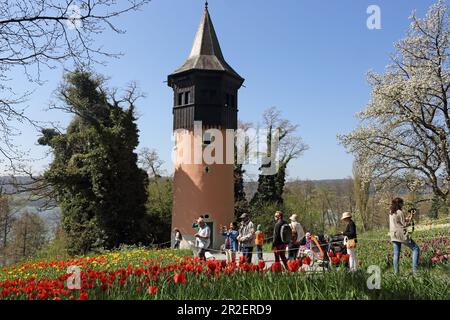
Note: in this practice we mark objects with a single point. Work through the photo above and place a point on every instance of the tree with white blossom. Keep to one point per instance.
(405, 127)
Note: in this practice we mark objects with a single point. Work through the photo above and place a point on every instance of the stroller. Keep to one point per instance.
(336, 244)
(314, 250)
(321, 250)
(337, 250)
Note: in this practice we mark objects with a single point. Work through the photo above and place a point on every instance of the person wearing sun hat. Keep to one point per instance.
(246, 237)
(297, 236)
(350, 234)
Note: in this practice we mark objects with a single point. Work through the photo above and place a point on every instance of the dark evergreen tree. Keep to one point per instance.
(268, 190)
(240, 201)
(98, 185)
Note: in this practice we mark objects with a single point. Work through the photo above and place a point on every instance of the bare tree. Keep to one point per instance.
(38, 34)
(151, 162)
(28, 235)
(283, 145)
(6, 219)
(153, 165)
(291, 146)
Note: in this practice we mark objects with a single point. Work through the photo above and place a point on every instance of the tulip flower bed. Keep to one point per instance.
(141, 274)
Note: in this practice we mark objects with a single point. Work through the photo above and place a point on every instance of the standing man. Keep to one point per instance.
(246, 237)
(297, 236)
(202, 238)
(278, 246)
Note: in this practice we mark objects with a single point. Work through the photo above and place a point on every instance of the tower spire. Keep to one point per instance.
(206, 53)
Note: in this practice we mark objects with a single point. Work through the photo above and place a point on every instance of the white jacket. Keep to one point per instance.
(299, 229)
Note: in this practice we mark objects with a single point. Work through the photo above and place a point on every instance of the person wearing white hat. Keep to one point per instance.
(351, 240)
(297, 236)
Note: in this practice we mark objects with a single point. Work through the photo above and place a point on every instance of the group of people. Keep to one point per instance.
(244, 238)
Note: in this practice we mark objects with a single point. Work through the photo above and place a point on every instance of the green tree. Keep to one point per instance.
(94, 173)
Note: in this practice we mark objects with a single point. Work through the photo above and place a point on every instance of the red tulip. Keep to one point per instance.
(245, 266)
(335, 260)
(211, 265)
(276, 267)
(307, 261)
(179, 278)
(293, 265)
(152, 290)
(83, 296)
(261, 265)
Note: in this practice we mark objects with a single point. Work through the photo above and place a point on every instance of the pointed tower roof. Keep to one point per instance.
(206, 53)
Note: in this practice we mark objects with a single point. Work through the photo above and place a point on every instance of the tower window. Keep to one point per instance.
(187, 97)
(230, 100)
(184, 98)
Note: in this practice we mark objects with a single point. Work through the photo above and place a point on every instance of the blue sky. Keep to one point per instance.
(307, 58)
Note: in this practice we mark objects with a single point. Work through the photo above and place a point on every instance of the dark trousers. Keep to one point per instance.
(293, 251)
(201, 253)
(247, 253)
(280, 253)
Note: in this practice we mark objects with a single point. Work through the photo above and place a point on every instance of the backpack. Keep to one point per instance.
(286, 233)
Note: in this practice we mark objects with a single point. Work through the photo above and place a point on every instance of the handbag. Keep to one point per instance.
(227, 243)
(351, 243)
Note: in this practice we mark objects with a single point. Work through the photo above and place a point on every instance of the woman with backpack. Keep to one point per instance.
(297, 236)
(279, 243)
